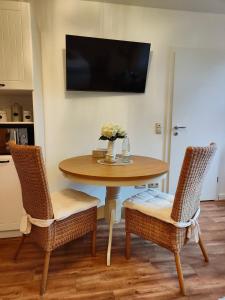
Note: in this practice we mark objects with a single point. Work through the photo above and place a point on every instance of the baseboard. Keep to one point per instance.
(221, 197)
(9, 234)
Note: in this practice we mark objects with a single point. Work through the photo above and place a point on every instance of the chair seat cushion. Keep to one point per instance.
(68, 202)
(153, 203)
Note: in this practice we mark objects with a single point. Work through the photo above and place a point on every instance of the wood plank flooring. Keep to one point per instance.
(149, 274)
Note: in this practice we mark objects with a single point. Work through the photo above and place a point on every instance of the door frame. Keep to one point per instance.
(168, 117)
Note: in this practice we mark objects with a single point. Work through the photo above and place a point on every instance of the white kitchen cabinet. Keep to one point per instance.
(20, 62)
(15, 46)
(10, 195)
(10, 190)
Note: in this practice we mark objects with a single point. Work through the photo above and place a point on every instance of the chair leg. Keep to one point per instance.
(127, 246)
(179, 272)
(203, 249)
(45, 272)
(93, 244)
(19, 247)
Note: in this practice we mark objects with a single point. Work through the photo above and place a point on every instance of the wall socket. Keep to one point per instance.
(153, 185)
(143, 186)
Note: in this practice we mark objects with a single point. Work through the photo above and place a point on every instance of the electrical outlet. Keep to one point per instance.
(143, 186)
(153, 185)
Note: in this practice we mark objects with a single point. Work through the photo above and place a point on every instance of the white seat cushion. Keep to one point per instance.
(68, 202)
(152, 203)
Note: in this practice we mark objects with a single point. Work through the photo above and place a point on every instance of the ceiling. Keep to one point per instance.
(207, 6)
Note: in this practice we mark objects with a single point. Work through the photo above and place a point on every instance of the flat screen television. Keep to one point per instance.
(95, 64)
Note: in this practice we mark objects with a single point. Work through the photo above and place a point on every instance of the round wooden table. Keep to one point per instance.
(85, 169)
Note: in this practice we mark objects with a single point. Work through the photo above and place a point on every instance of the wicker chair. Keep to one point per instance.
(159, 224)
(79, 218)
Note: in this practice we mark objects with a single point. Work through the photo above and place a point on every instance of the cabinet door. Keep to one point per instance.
(11, 208)
(15, 50)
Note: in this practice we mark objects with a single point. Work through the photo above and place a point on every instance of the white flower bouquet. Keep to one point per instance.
(112, 132)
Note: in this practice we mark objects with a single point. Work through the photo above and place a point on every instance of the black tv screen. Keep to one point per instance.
(94, 64)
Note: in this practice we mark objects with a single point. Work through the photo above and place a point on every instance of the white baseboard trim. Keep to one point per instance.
(221, 197)
(9, 234)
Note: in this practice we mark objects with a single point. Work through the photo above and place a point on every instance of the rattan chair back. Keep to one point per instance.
(194, 168)
(31, 171)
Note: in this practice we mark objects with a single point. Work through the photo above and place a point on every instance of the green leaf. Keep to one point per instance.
(103, 138)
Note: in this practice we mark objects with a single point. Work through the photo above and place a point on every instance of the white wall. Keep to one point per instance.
(73, 119)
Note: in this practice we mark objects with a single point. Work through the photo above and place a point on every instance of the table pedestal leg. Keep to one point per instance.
(110, 237)
(112, 214)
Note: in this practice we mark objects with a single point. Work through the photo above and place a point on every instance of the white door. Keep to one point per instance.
(199, 107)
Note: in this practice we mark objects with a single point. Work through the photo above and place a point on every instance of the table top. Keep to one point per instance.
(85, 169)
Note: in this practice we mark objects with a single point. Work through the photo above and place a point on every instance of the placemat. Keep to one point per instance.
(118, 162)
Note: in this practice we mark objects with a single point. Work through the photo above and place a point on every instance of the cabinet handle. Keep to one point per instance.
(2, 84)
(4, 161)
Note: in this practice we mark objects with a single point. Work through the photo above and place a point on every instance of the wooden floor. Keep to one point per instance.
(149, 274)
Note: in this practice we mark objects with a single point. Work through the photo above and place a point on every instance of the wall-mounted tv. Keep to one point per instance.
(95, 64)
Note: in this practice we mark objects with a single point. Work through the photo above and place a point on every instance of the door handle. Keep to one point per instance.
(179, 127)
(4, 161)
(2, 84)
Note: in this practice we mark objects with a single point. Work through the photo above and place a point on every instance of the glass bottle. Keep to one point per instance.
(126, 150)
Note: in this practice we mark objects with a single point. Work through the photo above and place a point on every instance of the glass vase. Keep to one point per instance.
(111, 152)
